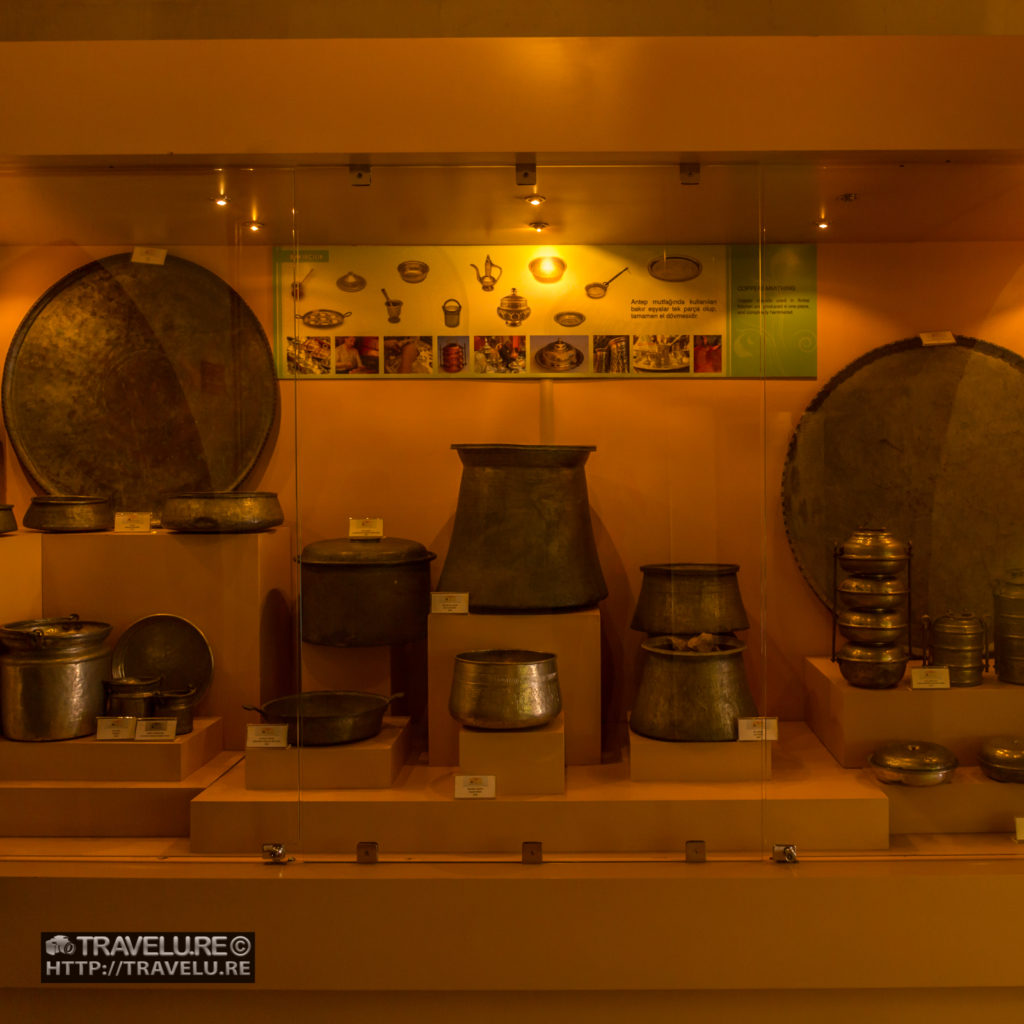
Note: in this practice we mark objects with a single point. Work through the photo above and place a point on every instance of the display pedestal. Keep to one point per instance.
(853, 722)
(21, 569)
(523, 761)
(234, 587)
(369, 764)
(969, 802)
(573, 637)
(665, 761)
(91, 760)
(809, 801)
(68, 808)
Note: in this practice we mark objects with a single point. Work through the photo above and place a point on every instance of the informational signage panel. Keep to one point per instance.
(571, 311)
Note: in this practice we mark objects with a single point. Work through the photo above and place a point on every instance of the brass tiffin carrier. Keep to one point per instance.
(871, 608)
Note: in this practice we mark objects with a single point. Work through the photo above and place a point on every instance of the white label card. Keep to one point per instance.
(475, 787)
(365, 526)
(120, 728)
(758, 728)
(935, 677)
(148, 254)
(156, 728)
(446, 603)
(132, 522)
(263, 735)
(937, 338)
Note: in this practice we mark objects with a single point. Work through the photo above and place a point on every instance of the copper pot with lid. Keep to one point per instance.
(360, 592)
(51, 677)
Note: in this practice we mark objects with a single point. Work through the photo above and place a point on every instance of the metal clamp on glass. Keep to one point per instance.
(367, 853)
(275, 853)
(784, 853)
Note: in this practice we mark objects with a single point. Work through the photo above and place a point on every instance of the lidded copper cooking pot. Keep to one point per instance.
(360, 592)
(682, 598)
(51, 677)
(522, 538)
(689, 695)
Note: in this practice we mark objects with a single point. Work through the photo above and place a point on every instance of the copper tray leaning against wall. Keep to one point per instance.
(927, 442)
(134, 380)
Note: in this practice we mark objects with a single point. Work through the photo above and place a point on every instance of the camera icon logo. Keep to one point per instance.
(59, 944)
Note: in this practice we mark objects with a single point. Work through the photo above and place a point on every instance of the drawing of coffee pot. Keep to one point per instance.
(488, 279)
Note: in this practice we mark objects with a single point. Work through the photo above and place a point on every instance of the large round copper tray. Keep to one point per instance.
(928, 443)
(134, 379)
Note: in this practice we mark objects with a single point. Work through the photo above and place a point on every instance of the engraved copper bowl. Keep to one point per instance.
(505, 690)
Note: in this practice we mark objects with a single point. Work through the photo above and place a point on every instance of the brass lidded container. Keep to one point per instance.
(365, 592)
(960, 643)
(913, 763)
(51, 677)
(1002, 758)
(1008, 626)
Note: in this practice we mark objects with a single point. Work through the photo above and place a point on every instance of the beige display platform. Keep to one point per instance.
(969, 802)
(21, 569)
(664, 761)
(234, 587)
(809, 801)
(574, 637)
(852, 721)
(48, 808)
(91, 760)
(523, 761)
(369, 764)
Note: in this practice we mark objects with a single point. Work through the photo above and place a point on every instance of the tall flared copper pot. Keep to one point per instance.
(522, 539)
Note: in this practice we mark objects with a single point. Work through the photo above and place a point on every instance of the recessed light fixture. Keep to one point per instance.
(254, 225)
(220, 199)
(539, 225)
(822, 224)
(534, 199)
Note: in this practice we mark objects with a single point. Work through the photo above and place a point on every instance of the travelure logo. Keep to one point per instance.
(148, 956)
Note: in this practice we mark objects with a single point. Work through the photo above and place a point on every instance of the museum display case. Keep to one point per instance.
(644, 530)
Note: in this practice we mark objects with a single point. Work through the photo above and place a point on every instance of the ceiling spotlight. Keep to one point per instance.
(539, 225)
(254, 225)
(822, 224)
(220, 199)
(534, 200)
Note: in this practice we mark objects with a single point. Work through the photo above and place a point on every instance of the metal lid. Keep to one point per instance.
(914, 756)
(365, 551)
(134, 686)
(67, 634)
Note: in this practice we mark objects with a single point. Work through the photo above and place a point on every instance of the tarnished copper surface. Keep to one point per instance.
(133, 379)
(928, 443)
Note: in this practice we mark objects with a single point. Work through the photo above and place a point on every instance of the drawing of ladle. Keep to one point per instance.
(597, 289)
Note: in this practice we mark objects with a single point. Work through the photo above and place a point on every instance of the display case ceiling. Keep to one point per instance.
(473, 198)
